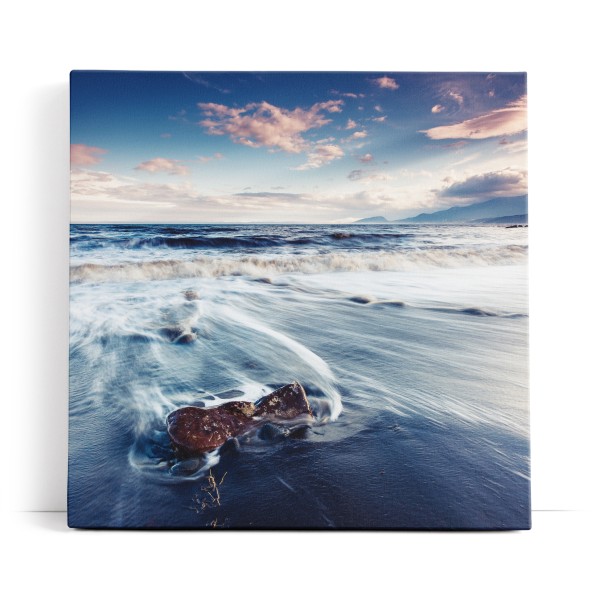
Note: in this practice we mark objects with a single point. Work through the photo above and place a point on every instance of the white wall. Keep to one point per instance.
(42, 42)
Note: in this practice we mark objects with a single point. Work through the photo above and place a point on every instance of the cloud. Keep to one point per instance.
(270, 195)
(367, 200)
(379, 119)
(106, 187)
(438, 108)
(456, 145)
(386, 83)
(458, 98)
(263, 124)
(347, 94)
(82, 155)
(356, 138)
(512, 147)
(320, 156)
(415, 174)
(366, 158)
(104, 197)
(351, 124)
(197, 78)
(378, 108)
(215, 156)
(356, 175)
(464, 160)
(362, 175)
(163, 165)
(488, 185)
(82, 178)
(505, 121)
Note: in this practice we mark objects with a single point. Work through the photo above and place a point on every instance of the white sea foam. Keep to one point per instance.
(264, 266)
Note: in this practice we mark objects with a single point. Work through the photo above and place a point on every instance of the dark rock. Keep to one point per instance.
(185, 467)
(178, 335)
(361, 299)
(230, 394)
(230, 448)
(186, 338)
(191, 295)
(171, 332)
(276, 432)
(273, 432)
(287, 402)
(299, 432)
(195, 430)
(396, 303)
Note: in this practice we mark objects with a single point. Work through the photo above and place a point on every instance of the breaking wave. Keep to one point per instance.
(264, 266)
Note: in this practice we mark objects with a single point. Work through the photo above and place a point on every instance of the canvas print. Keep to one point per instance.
(299, 300)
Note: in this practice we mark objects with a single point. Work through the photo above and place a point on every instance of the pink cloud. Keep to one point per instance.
(320, 156)
(457, 145)
(512, 147)
(263, 124)
(367, 176)
(458, 98)
(438, 108)
(215, 156)
(505, 121)
(163, 165)
(82, 155)
(386, 83)
(366, 158)
(347, 94)
(379, 119)
(355, 138)
(351, 124)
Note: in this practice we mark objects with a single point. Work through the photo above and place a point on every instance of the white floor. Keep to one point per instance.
(553, 560)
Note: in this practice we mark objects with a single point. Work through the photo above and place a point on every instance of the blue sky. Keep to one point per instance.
(292, 147)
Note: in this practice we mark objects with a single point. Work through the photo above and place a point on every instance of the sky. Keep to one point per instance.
(319, 147)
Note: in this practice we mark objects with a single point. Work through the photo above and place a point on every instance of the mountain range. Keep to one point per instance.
(498, 210)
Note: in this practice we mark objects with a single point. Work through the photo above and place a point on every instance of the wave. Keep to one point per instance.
(475, 311)
(134, 375)
(263, 266)
(185, 242)
(173, 238)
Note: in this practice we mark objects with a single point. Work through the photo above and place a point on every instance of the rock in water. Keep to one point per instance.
(194, 430)
(287, 402)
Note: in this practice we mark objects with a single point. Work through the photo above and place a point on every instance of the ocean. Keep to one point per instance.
(411, 342)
